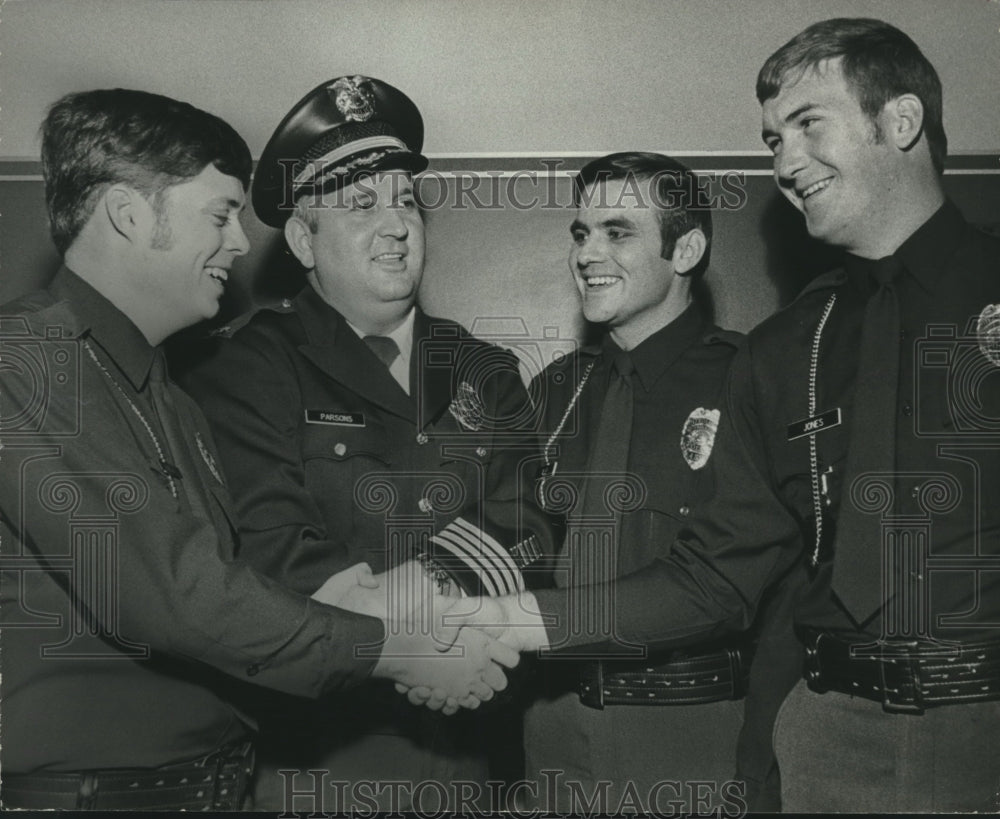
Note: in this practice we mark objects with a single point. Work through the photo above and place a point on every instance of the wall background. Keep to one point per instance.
(501, 85)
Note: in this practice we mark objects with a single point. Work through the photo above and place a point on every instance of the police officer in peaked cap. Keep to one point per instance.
(358, 428)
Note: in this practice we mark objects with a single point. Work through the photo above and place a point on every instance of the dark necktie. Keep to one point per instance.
(384, 347)
(857, 555)
(177, 446)
(609, 455)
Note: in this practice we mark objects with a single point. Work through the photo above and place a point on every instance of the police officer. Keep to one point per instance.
(122, 605)
(860, 440)
(358, 428)
(637, 411)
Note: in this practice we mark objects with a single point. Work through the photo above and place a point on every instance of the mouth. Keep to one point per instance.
(220, 274)
(600, 282)
(389, 258)
(815, 188)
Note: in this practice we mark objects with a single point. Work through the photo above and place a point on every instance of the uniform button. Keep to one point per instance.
(286, 302)
(339, 449)
(481, 451)
(907, 409)
(915, 491)
(253, 670)
(425, 505)
(685, 511)
(422, 438)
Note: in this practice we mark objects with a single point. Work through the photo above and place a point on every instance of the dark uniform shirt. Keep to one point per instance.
(120, 599)
(332, 463)
(760, 521)
(679, 377)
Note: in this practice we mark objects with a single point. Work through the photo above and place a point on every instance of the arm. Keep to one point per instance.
(710, 581)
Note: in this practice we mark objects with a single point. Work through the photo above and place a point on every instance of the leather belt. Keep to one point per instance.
(217, 781)
(683, 680)
(906, 677)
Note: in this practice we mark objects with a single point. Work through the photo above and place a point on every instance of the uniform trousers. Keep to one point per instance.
(841, 753)
(372, 754)
(655, 759)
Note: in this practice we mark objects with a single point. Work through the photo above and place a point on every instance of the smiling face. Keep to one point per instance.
(623, 280)
(366, 256)
(830, 161)
(194, 236)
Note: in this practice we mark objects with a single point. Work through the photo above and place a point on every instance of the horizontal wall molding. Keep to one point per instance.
(751, 163)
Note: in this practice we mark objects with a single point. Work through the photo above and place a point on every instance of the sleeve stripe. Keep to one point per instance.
(500, 554)
(448, 540)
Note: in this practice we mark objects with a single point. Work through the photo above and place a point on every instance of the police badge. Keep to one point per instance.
(467, 407)
(698, 436)
(353, 99)
(988, 333)
(206, 456)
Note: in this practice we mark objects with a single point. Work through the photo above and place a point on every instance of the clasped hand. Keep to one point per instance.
(464, 671)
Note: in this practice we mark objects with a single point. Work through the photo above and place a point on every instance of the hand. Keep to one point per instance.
(465, 674)
(513, 620)
(352, 588)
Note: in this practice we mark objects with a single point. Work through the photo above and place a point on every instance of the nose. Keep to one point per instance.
(236, 239)
(588, 251)
(392, 223)
(789, 162)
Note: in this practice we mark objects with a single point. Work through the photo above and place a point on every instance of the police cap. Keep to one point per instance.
(342, 130)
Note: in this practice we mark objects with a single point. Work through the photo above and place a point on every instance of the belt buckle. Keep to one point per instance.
(909, 665)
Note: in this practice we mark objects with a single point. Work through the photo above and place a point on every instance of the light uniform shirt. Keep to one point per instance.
(403, 336)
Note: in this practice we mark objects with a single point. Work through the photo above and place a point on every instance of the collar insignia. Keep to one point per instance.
(206, 456)
(698, 436)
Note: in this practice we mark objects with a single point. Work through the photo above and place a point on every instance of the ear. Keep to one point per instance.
(300, 238)
(688, 250)
(904, 120)
(121, 206)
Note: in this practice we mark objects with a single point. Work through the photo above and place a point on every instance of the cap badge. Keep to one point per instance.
(698, 436)
(467, 407)
(353, 98)
(988, 333)
(206, 456)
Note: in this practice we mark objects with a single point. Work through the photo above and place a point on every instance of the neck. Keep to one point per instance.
(915, 202)
(372, 320)
(110, 275)
(631, 334)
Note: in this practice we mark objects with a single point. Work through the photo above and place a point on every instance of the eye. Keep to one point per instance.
(220, 219)
(579, 236)
(363, 203)
(806, 122)
(773, 144)
(407, 203)
(617, 234)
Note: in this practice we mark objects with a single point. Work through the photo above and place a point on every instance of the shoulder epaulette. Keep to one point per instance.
(238, 323)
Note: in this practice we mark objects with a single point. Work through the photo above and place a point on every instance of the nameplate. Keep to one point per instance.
(817, 423)
(336, 419)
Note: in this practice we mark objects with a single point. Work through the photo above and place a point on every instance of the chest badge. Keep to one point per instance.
(467, 407)
(988, 333)
(208, 458)
(698, 436)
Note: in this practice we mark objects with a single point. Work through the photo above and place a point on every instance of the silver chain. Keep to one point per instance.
(566, 414)
(139, 415)
(813, 456)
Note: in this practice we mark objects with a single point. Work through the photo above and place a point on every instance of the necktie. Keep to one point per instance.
(614, 432)
(176, 449)
(384, 347)
(857, 555)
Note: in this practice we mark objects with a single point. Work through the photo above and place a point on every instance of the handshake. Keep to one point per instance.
(442, 649)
